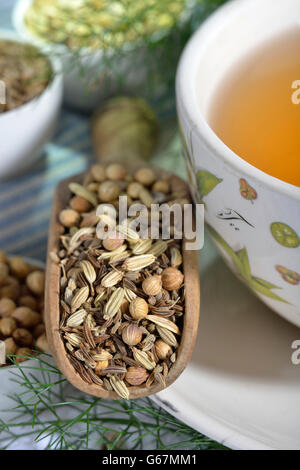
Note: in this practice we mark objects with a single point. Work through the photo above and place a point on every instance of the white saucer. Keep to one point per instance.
(241, 387)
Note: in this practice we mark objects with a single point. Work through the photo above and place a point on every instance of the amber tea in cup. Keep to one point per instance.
(256, 110)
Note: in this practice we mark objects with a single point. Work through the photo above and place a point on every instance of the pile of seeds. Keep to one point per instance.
(21, 309)
(122, 297)
(24, 74)
(100, 23)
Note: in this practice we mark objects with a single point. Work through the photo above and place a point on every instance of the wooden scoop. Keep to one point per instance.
(52, 311)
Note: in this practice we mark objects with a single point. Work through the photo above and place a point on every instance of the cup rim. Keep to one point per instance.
(186, 97)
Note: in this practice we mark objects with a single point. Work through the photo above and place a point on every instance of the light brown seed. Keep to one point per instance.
(22, 337)
(115, 171)
(7, 326)
(138, 308)
(172, 278)
(102, 355)
(143, 359)
(7, 307)
(114, 303)
(98, 173)
(161, 186)
(176, 258)
(129, 294)
(162, 349)
(108, 191)
(80, 204)
(131, 235)
(136, 375)
(69, 217)
(134, 189)
(152, 285)
(101, 365)
(145, 176)
(167, 336)
(109, 254)
(112, 243)
(158, 248)
(10, 346)
(18, 267)
(119, 387)
(74, 339)
(35, 281)
(136, 263)
(79, 298)
(112, 278)
(119, 257)
(142, 246)
(146, 197)
(158, 377)
(77, 318)
(88, 335)
(89, 271)
(26, 317)
(132, 335)
(164, 323)
(42, 343)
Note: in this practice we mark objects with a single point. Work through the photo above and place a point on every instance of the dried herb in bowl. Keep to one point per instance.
(24, 71)
(121, 296)
(100, 23)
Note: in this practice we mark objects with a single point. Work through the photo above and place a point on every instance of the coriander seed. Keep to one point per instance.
(162, 349)
(138, 308)
(132, 335)
(18, 267)
(23, 337)
(172, 278)
(145, 176)
(108, 191)
(7, 307)
(36, 282)
(136, 376)
(115, 171)
(69, 217)
(152, 285)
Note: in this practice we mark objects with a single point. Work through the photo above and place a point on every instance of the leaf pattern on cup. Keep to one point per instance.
(288, 275)
(241, 263)
(247, 191)
(206, 182)
(284, 235)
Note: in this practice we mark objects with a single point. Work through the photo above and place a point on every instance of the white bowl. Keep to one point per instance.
(25, 130)
(83, 67)
(242, 229)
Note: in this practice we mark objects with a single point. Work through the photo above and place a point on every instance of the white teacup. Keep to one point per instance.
(259, 239)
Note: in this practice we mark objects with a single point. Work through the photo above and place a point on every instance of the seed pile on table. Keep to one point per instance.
(121, 299)
(24, 71)
(21, 309)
